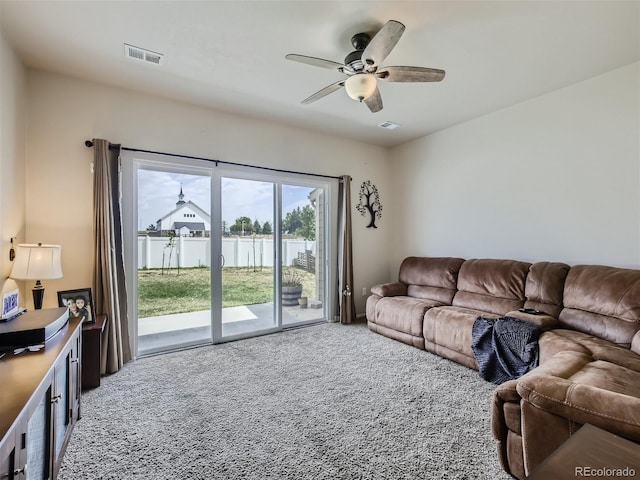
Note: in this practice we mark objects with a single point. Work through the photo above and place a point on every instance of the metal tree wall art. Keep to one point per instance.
(369, 201)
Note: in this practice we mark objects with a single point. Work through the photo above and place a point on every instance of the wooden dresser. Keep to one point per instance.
(39, 405)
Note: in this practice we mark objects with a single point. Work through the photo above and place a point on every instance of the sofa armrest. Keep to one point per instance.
(507, 392)
(583, 403)
(504, 393)
(544, 321)
(505, 427)
(390, 289)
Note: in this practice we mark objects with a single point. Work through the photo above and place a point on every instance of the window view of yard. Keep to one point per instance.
(179, 246)
(189, 290)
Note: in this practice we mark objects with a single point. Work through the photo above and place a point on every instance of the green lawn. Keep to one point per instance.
(189, 291)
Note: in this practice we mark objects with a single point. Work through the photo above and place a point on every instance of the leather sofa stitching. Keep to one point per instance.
(624, 294)
(567, 398)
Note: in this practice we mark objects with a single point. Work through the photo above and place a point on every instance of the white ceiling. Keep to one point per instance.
(229, 55)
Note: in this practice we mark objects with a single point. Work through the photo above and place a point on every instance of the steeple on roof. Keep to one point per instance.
(180, 197)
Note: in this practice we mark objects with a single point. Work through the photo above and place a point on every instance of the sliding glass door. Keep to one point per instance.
(247, 256)
(216, 254)
(303, 253)
(173, 257)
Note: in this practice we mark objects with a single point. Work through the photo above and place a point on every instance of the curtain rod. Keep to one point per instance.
(89, 143)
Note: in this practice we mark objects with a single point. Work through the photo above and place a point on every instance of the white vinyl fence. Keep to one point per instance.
(154, 252)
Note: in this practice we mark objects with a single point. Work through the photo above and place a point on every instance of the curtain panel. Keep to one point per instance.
(345, 307)
(110, 295)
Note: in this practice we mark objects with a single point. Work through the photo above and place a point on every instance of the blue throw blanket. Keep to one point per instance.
(505, 348)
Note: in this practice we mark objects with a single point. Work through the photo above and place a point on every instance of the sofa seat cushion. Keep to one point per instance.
(451, 327)
(560, 340)
(605, 351)
(574, 386)
(404, 314)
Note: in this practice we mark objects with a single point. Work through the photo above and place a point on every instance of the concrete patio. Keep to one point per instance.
(167, 332)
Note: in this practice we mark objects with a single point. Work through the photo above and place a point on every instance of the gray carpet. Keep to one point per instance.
(322, 402)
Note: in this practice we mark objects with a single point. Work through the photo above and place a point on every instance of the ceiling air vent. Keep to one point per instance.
(389, 125)
(143, 55)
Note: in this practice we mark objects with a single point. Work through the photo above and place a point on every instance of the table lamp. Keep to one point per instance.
(37, 262)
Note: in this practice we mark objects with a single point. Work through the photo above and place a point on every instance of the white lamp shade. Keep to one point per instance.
(37, 262)
(360, 86)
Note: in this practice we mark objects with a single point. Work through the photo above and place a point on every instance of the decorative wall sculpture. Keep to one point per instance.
(369, 201)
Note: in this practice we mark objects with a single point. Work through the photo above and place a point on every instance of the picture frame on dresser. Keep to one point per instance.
(79, 302)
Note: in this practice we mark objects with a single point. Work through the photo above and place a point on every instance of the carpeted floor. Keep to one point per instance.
(323, 402)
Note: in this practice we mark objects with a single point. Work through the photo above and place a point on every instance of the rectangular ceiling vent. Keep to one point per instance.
(143, 55)
(389, 125)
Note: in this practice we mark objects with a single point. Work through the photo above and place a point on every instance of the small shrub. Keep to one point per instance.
(291, 278)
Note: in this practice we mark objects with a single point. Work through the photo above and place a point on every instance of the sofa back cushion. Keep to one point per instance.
(491, 285)
(602, 301)
(544, 287)
(432, 278)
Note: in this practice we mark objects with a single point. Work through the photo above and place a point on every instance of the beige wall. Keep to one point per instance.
(64, 112)
(12, 157)
(553, 178)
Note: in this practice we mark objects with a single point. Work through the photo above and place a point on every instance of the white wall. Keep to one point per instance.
(64, 112)
(12, 157)
(553, 178)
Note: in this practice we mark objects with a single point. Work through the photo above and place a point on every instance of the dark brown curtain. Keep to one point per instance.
(110, 295)
(345, 307)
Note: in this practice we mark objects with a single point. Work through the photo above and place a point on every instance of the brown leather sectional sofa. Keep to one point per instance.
(589, 348)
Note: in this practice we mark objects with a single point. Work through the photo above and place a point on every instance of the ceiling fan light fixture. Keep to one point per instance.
(360, 86)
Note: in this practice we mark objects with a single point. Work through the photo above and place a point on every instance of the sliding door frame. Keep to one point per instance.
(132, 161)
(240, 173)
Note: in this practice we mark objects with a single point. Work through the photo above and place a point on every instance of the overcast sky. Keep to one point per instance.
(158, 193)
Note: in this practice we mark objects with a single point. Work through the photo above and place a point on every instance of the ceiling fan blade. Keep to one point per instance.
(374, 102)
(410, 74)
(316, 62)
(324, 92)
(382, 43)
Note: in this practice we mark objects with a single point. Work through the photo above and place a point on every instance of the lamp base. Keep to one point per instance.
(38, 296)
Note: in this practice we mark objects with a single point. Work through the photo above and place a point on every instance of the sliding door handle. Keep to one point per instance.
(221, 261)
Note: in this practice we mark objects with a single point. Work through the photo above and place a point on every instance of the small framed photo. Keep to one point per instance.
(79, 302)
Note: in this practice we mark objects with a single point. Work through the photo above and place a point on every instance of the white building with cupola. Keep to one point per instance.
(186, 220)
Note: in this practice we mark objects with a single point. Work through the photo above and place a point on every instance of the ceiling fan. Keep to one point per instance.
(363, 70)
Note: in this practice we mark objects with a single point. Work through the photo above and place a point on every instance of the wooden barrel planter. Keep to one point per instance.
(290, 295)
